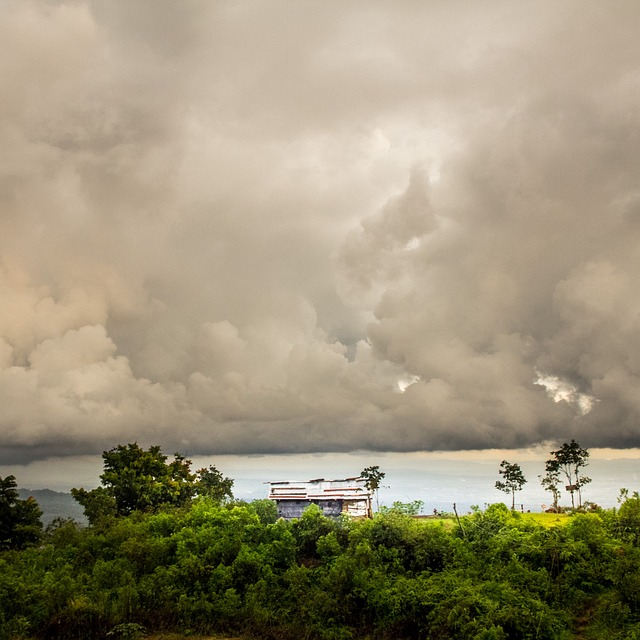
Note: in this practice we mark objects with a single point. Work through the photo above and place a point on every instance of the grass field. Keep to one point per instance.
(547, 519)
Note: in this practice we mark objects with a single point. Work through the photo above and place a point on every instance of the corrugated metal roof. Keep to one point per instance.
(320, 489)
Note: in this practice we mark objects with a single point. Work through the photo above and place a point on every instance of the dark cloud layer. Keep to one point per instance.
(264, 227)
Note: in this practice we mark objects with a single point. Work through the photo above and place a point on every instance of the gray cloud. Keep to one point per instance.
(265, 228)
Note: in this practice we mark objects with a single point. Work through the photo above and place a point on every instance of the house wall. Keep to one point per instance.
(334, 497)
(357, 508)
(330, 508)
(289, 509)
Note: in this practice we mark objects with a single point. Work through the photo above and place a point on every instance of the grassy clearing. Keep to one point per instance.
(544, 519)
(547, 519)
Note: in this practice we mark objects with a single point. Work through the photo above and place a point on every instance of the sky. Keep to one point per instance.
(272, 228)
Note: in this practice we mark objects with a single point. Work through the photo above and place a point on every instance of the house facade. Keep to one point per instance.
(349, 496)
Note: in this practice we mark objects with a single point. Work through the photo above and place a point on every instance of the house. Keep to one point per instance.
(335, 497)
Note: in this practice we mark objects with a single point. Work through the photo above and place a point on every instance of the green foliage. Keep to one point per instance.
(569, 461)
(373, 476)
(127, 631)
(20, 523)
(98, 504)
(309, 529)
(628, 521)
(216, 567)
(408, 508)
(211, 483)
(140, 480)
(551, 481)
(265, 509)
(513, 480)
(135, 479)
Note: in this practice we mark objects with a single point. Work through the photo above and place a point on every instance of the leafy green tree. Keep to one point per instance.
(309, 528)
(98, 504)
(135, 479)
(142, 480)
(220, 569)
(20, 523)
(569, 460)
(627, 521)
(265, 509)
(211, 483)
(373, 475)
(551, 482)
(513, 481)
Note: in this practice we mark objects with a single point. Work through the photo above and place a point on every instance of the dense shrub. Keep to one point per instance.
(231, 568)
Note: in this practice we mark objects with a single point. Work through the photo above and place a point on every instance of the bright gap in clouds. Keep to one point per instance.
(561, 390)
(406, 382)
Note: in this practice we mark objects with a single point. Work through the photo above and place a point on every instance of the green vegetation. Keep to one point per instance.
(20, 523)
(546, 519)
(373, 476)
(216, 567)
(408, 508)
(512, 480)
(569, 461)
(210, 566)
(138, 480)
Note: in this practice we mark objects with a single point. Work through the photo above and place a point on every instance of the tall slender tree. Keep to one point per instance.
(373, 475)
(513, 481)
(551, 482)
(569, 460)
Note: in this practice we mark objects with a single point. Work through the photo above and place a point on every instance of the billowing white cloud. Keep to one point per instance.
(245, 228)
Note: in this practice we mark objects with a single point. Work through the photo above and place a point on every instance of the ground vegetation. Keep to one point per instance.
(211, 565)
(229, 567)
(512, 480)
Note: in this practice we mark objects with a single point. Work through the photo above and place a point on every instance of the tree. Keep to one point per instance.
(412, 508)
(265, 509)
(210, 482)
(20, 523)
(569, 460)
(373, 476)
(142, 480)
(551, 481)
(98, 504)
(513, 481)
(135, 479)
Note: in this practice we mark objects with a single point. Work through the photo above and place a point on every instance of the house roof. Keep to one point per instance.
(319, 489)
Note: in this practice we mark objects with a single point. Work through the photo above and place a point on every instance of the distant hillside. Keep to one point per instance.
(55, 504)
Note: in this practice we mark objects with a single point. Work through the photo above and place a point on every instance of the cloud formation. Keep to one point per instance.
(249, 227)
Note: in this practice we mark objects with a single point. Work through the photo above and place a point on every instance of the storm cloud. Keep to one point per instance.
(271, 227)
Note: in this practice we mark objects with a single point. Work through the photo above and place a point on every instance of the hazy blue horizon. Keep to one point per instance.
(438, 479)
